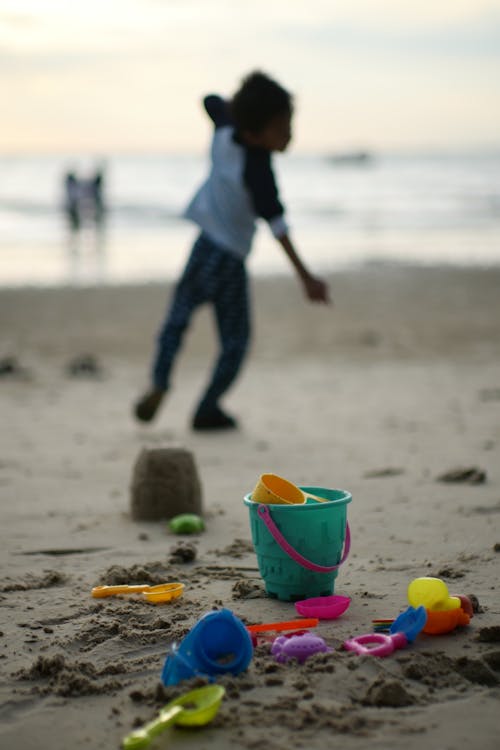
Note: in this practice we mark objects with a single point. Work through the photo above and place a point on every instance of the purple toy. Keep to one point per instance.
(298, 647)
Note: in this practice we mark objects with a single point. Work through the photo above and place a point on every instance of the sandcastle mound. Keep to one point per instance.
(165, 483)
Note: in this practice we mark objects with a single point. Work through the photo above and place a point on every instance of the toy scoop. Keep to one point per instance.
(163, 592)
(193, 709)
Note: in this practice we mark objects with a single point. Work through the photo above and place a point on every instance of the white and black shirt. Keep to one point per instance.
(240, 188)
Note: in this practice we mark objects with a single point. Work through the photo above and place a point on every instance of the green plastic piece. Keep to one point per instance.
(186, 523)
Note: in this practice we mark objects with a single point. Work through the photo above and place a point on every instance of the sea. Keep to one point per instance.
(344, 210)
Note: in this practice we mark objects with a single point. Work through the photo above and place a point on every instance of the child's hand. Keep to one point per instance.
(316, 289)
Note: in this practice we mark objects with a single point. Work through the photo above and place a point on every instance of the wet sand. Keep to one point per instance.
(395, 385)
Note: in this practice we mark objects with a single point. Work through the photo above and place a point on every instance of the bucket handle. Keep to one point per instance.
(264, 513)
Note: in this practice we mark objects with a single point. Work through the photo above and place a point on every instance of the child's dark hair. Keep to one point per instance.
(258, 100)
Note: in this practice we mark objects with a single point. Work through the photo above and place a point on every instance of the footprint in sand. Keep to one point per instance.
(467, 475)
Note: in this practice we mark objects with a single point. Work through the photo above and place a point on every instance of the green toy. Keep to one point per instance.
(186, 523)
(193, 709)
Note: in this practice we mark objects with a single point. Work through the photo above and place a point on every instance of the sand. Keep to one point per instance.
(394, 386)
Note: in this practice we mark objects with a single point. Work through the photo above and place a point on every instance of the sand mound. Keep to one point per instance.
(165, 483)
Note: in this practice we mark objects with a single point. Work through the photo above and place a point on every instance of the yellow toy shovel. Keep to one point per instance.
(163, 592)
(193, 709)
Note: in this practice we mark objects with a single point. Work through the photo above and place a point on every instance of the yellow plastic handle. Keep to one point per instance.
(101, 591)
(316, 498)
(163, 593)
(142, 737)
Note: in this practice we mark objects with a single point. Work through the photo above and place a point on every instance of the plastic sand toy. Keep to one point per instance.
(193, 709)
(439, 623)
(218, 644)
(265, 632)
(403, 630)
(186, 523)
(163, 592)
(300, 546)
(299, 647)
(270, 627)
(323, 607)
(466, 605)
(431, 593)
(278, 491)
(444, 612)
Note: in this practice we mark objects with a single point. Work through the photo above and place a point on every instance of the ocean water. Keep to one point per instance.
(424, 209)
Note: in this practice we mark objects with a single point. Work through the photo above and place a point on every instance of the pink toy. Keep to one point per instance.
(323, 607)
(376, 644)
(404, 630)
(298, 647)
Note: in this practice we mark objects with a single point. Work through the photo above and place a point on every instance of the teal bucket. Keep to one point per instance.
(299, 548)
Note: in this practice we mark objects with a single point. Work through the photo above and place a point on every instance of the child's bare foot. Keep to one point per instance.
(146, 408)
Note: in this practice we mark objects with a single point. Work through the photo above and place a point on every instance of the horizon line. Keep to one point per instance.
(354, 151)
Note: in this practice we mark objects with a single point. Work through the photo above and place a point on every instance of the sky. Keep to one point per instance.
(101, 76)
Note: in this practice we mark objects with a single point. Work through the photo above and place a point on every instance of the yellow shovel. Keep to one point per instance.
(163, 592)
(193, 709)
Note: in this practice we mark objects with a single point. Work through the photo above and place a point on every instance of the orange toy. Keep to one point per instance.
(444, 612)
(445, 621)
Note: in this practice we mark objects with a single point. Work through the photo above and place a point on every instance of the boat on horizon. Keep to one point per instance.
(351, 157)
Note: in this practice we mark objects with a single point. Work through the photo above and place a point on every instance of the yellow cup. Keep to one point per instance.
(274, 489)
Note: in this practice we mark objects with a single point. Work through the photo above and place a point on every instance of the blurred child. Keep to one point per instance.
(71, 200)
(240, 188)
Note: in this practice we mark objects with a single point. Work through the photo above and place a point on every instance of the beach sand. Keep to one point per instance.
(396, 384)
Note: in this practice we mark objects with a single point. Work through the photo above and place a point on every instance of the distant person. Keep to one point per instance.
(84, 201)
(96, 195)
(72, 200)
(92, 198)
(240, 188)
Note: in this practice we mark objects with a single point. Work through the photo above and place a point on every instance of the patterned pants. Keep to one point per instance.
(216, 276)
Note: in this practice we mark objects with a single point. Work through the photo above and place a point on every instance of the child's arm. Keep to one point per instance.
(259, 178)
(315, 288)
(218, 110)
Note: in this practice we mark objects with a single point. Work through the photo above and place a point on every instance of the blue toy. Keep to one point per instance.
(218, 643)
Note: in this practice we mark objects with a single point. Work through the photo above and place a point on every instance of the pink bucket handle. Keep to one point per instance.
(265, 515)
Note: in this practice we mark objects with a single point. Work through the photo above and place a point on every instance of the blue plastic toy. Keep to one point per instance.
(218, 643)
(410, 623)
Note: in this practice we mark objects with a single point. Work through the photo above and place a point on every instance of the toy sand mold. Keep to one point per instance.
(300, 542)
